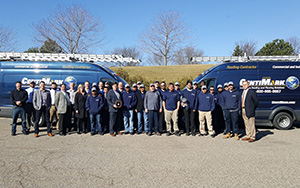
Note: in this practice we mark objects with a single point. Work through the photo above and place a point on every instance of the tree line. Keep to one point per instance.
(167, 40)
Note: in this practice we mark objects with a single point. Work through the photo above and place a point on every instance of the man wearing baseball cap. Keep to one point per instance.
(138, 85)
(230, 102)
(205, 104)
(153, 105)
(129, 100)
(134, 87)
(140, 109)
(218, 118)
(226, 86)
(180, 112)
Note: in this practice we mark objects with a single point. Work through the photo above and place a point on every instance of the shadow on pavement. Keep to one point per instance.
(261, 134)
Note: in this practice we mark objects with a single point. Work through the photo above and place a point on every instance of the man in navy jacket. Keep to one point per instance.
(115, 112)
(129, 104)
(249, 103)
(171, 103)
(188, 109)
(94, 104)
(230, 102)
(205, 104)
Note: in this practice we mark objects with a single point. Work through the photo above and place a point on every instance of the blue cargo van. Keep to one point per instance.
(59, 72)
(276, 84)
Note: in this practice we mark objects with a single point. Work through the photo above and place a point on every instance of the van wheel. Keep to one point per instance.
(41, 122)
(283, 121)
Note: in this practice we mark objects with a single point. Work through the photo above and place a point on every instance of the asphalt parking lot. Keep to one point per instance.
(143, 161)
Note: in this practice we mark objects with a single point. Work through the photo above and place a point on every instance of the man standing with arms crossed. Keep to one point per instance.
(249, 104)
(18, 98)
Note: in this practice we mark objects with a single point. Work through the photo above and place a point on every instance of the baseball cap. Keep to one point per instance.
(156, 81)
(134, 85)
(32, 82)
(139, 82)
(177, 84)
(151, 85)
(230, 83)
(225, 84)
(94, 89)
(94, 84)
(219, 86)
(142, 85)
(204, 87)
(127, 85)
(194, 82)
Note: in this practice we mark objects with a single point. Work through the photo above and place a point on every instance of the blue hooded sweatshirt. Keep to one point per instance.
(204, 102)
(94, 104)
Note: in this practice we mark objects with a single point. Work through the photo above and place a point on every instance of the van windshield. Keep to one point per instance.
(199, 78)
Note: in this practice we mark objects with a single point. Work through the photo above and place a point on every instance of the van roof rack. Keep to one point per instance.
(13, 56)
(245, 58)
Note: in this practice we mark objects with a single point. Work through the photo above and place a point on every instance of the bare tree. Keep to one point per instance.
(74, 28)
(295, 42)
(155, 59)
(133, 52)
(184, 55)
(7, 39)
(164, 36)
(248, 47)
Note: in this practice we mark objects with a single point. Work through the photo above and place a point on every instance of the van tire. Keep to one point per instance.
(283, 121)
(41, 122)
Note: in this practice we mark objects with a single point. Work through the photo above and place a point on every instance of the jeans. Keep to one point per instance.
(38, 114)
(128, 120)
(95, 123)
(231, 119)
(153, 120)
(15, 114)
(140, 116)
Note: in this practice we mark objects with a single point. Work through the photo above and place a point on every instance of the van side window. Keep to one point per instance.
(210, 82)
(110, 81)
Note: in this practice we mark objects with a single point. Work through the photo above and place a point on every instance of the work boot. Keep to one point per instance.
(236, 136)
(228, 135)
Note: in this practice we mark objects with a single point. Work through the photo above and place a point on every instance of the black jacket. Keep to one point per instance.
(140, 101)
(16, 95)
(251, 103)
(80, 105)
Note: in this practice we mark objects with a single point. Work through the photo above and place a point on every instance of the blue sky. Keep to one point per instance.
(216, 24)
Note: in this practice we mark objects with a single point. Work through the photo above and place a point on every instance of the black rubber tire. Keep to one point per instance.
(41, 122)
(283, 121)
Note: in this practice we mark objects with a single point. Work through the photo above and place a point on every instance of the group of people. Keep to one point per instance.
(106, 108)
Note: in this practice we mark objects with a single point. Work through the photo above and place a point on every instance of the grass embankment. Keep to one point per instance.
(172, 73)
